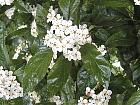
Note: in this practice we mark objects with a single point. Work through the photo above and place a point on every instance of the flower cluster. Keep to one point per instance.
(33, 24)
(21, 27)
(10, 12)
(137, 2)
(6, 2)
(19, 49)
(65, 37)
(27, 57)
(56, 99)
(95, 99)
(9, 87)
(102, 49)
(117, 64)
(34, 97)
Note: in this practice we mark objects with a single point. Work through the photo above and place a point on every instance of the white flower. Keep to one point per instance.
(117, 64)
(34, 29)
(22, 26)
(56, 99)
(34, 97)
(102, 49)
(137, 2)
(6, 2)
(27, 57)
(2, 2)
(15, 56)
(19, 49)
(10, 12)
(65, 38)
(33, 10)
(96, 99)
(9, 87)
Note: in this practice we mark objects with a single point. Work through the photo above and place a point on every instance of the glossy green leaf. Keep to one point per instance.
(135, 66)
(114, 3)
(68, 7)
(58, 76)
(102, 34)
(85, 79)
(95, 63)
(67, 93)
(135, 99)
(4, 56)
(120, 39)
(36, 69)
(20, 32)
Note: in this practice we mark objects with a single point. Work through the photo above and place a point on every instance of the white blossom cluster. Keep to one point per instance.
(137, 2)
(34, 97)
(33, 24)
(102, 49)
(10, 12)
(9, 87)
(22, 26)
(101, 98)
(56, 99)
(19, 49)
(6, 2)
(65, 37)
(117, 64)
(27, 57)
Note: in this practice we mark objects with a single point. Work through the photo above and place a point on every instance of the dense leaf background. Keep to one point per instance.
(113, 23)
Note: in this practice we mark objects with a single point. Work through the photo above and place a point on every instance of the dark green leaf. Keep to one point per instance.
(114, 3)
(58, 76)
(68, 7)
(36, 69)
(120, 39)
(67, 93)
(135, 99)
(95, 63)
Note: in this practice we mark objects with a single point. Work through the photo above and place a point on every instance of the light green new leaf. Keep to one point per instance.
(58, 76)
(135, 99)
(36, 69)
(95, 64)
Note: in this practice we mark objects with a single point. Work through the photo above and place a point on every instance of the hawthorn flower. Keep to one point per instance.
(65, 37)
(101, 98)
(56, 99)
(6, 2)
(9, 87)
(117, 64)
(102, 49)
(22, 26)
(33, 10)
(27, 57)
(34, 29)
(19, 48)
(34, 32)
(34, 97)
(10, 12)
(137, 2)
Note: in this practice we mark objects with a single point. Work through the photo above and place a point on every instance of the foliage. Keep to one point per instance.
(113, 23)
